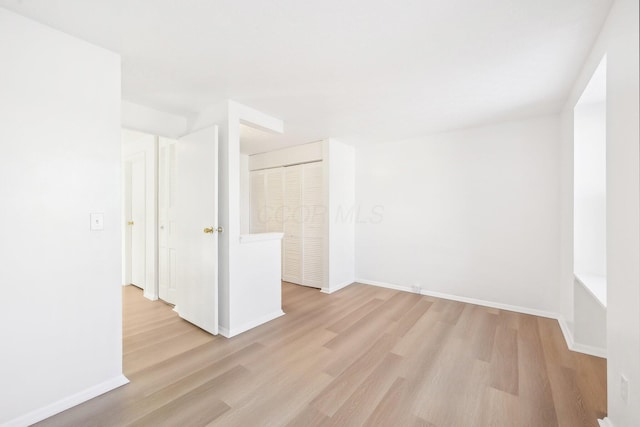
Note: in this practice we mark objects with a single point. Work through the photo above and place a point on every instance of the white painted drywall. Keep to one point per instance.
(472, 213)
(60, 109)
(590, 196)
(339, 175)
(590, 320)
(133, 143)
(148, 120)
(257, 293)
(618, 40)
(233, 293)
(623, 212)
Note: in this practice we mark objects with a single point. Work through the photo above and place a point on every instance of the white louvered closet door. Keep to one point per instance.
(258, 199)
(313, 225)
(292, 220)
(275, 199)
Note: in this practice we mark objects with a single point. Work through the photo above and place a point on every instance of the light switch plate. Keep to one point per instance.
(624, 388)
(97, 221)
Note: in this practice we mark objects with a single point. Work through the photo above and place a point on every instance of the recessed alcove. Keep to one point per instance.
(589, 213)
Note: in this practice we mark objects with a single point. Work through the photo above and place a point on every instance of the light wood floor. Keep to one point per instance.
(362, 356)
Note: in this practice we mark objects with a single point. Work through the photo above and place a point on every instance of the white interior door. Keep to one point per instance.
(167, 274)
(196, 224)
(135, 201)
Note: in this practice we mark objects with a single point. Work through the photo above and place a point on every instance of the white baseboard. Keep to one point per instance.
(232, 332)
(566, 331)
(66, 403)
(387, 285)
(484, 303)
(590, 350)
(336, 288)
(580, 348)
(605, 422)
(150, 296)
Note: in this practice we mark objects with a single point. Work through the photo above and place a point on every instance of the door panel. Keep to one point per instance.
(275, 199)
(196, 210)
(166, 219)
(136, 219)
(313, 229)
(291, 199)
(258, 197)
(292, 220)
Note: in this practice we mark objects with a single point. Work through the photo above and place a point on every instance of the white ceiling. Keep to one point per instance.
(357, 70)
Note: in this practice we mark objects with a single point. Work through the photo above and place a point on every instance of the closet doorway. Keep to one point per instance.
(170, 230)
(287, 195)
(306, 192)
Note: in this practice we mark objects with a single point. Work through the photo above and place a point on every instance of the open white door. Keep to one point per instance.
(167, 252)
(196, 222)
(135, 214)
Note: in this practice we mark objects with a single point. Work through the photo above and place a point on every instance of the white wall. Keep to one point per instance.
(61, 311)
(145, 119)
(233, 291)
(590, 328)
(472, 213)
(256, 293)
(619, 41)
(339, 174)
(623, 212)
(142, 143)
(590, 197)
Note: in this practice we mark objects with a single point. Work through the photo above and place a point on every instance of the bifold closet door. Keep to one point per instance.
(292, 225)
(275, 199)
(258, 200)
(291, 200)
(313, 225)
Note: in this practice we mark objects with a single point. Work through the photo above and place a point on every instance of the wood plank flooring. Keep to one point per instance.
(362, 356)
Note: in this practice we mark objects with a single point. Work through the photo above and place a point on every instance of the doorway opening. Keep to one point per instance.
(169, 216)
(139, 217)
(282, 191)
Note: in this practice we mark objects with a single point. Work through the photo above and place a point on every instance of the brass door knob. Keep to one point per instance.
(208, 230)
(129, 222)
